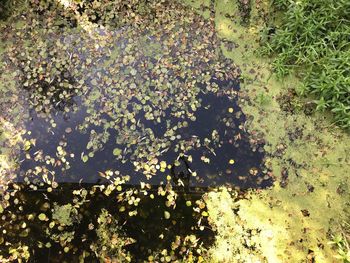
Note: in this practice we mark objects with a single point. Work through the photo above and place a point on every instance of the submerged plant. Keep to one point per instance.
(111, 242)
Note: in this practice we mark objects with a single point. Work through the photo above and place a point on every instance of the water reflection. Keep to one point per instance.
(144, 223)
(206, 146)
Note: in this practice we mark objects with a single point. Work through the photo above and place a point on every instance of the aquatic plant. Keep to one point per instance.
(110, 245)
(311, 38)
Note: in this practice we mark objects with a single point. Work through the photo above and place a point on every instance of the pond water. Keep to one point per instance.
(213, 118)
(128, 127)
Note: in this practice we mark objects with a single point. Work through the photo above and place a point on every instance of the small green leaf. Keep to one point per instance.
(85, 158)
(166, 215)
(117, 152)
(133, 72)
(42, 217)
(94, 82)
(27, 145)
(163, 164)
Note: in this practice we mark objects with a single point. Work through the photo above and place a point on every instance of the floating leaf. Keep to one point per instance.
(133, 72)
(162, 164)
(166, 215)
(42, 217)
(117, 152)
(205, 213)
(94, 82)
(27, 145)
(84, 158)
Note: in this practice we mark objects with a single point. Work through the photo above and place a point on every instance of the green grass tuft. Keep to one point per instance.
(312, 38)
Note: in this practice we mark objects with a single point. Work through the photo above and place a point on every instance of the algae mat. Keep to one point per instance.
(294, 220)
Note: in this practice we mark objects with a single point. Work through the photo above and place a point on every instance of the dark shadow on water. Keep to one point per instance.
(150, 229)
(218, 112)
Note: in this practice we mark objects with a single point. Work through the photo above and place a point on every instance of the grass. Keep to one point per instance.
(6, 7)
(341, 243)
(311, 39)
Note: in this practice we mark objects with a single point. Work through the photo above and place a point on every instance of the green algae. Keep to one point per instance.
(309, 158)
(324, 205)
(201, 6)
(65, 215)
(234, 242)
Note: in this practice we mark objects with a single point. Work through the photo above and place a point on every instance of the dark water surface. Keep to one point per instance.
(212, 115)
(150, 229)
(150, 222)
